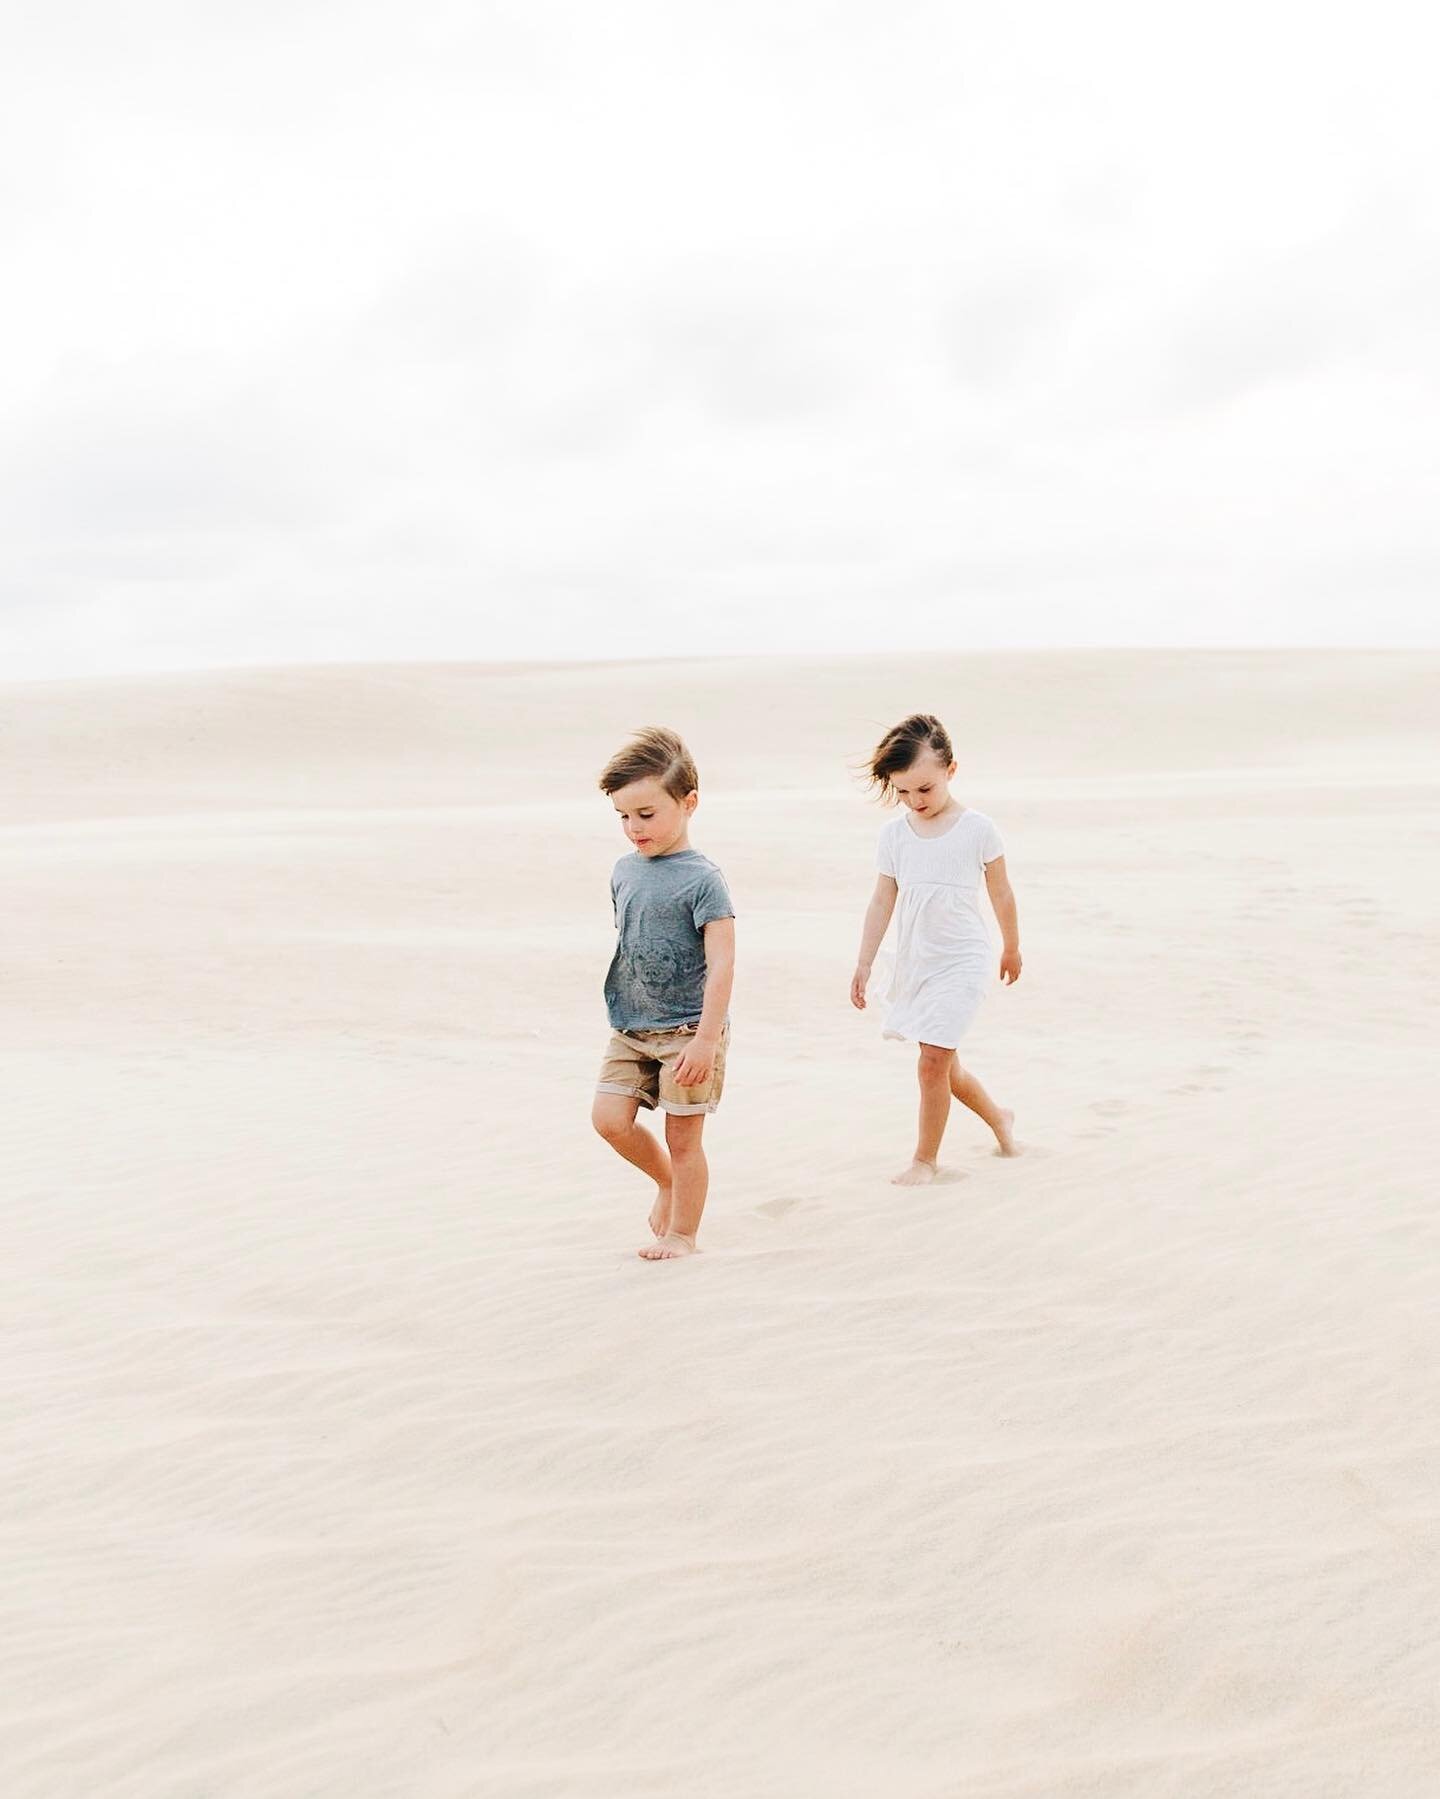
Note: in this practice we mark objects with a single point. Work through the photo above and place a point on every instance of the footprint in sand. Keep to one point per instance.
(777, 1208)
(1209, 1079)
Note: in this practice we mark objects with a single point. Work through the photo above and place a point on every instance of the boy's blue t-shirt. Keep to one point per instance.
(662, 905)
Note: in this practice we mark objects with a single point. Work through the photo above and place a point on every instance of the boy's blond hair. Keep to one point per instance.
(653, 751)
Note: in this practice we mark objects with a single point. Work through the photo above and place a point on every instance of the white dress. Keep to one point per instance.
(943, 962)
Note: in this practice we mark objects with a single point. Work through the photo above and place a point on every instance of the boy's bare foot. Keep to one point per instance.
(918, 1174)
(660, 1212)
(1005, 1136)
(668, 1248)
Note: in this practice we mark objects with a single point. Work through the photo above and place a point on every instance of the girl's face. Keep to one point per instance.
(925, 786)
(653, 820)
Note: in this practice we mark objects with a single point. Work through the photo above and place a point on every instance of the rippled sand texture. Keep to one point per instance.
(350, 1451)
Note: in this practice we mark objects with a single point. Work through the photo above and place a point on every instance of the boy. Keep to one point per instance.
(668, 986)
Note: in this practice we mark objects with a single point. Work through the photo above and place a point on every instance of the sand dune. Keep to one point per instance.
(350, 1450)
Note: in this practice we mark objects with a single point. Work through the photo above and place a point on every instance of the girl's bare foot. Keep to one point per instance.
(1005, 1136)
(918, 1174)
(668, 1248)
(660, 1212)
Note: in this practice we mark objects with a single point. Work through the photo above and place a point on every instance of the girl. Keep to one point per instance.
(932, 862)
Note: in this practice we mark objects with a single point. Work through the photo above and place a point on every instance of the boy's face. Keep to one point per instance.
(653, 820)
(925, 786)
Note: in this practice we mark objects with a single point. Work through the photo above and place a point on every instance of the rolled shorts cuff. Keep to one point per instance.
(625, 1092)
(676, 1110)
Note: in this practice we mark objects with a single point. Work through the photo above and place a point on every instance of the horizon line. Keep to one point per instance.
(516, 665)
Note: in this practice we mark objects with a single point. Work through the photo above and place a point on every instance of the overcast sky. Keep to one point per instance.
(351, 331)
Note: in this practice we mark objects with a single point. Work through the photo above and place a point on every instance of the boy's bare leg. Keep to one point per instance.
(934, 1070)
(692, 1183)
(970, 1093)
(614, 1117)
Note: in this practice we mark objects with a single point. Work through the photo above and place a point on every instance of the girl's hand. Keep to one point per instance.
(1010, 966)
(697, 1064)
(858, 982)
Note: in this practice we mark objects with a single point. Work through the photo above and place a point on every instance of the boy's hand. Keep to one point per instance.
(698, 1063)
(1010, 966)
(858, 983)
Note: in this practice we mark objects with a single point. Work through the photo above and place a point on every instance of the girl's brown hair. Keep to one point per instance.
(653, 751)
(898, 749)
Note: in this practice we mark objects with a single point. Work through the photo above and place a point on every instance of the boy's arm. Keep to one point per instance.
(877, 922)
(695, 1065)
(1002, 898)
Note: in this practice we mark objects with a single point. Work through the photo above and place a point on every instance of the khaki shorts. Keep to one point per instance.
(641, 1064)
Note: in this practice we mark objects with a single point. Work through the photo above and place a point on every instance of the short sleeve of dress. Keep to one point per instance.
(712, 900)
(885, 854)
(990, 844)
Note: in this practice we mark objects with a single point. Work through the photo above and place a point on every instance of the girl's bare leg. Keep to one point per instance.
(970, 1093)
(934, 1072)
(614, 1117)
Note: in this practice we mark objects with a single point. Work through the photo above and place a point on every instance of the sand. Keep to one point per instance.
(350, 1450)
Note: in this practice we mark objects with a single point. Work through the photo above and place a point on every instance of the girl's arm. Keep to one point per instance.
(877, 922)
(1002, 898)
